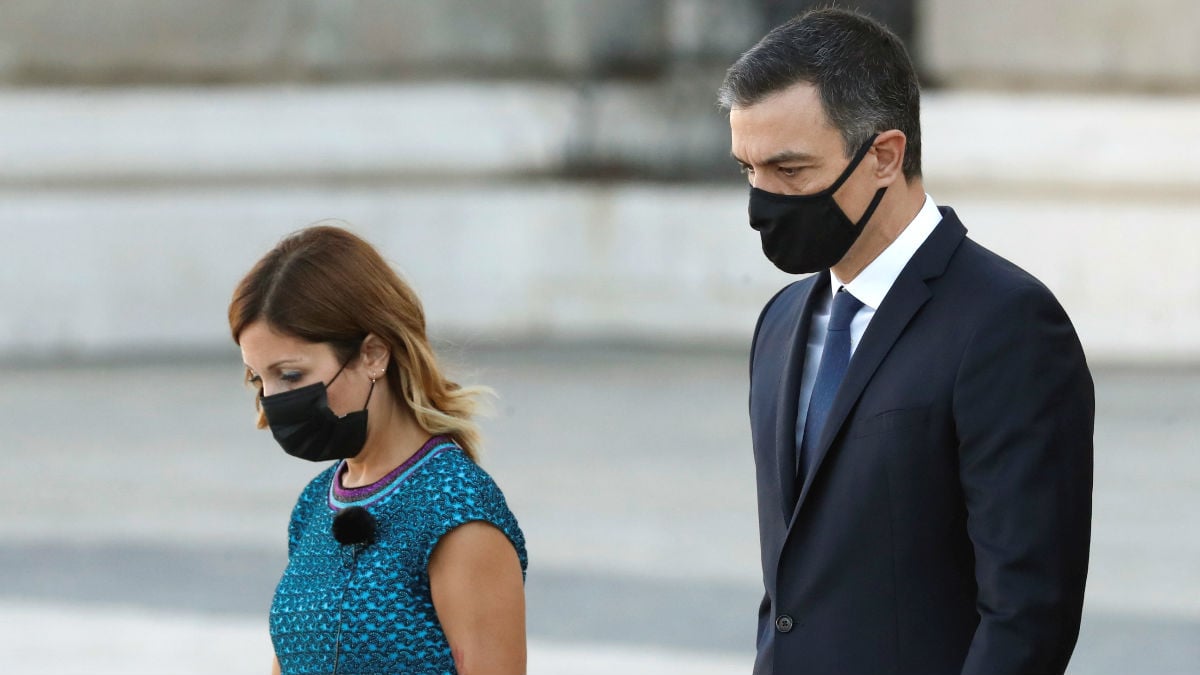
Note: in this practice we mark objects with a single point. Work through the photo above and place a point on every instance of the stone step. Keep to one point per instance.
(132, 213)
(141, 269)
(996, 143)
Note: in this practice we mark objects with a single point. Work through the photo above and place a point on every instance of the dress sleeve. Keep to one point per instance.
(468, 494)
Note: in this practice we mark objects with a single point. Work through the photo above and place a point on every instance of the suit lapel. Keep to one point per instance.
(907, 295)
(789, 385)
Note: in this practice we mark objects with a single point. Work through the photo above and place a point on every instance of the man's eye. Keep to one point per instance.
(789, 171)
(746, 170)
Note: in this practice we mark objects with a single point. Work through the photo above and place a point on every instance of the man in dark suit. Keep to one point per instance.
(921, 409)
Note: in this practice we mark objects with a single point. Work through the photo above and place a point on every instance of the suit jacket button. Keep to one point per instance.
(784, 623)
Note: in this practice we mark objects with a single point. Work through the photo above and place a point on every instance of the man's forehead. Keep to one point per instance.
(787, 126)
(796, 93)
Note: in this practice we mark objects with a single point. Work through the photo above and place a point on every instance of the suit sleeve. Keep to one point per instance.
(1024, 410)
(765, 624)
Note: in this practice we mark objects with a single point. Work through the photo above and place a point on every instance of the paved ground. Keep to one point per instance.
(143, 527)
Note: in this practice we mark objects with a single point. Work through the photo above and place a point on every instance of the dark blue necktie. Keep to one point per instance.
(834, 360)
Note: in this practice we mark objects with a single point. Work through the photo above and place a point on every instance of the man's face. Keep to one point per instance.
(786, 145)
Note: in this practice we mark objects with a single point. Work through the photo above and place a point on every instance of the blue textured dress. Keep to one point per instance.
(364, 609)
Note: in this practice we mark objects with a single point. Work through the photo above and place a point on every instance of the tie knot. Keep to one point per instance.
(845, 306)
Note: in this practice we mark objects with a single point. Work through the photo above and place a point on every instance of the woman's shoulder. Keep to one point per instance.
(453, 482)
(456, 490)
(452, 469)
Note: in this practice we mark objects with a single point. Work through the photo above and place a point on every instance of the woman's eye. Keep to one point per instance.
(254, 379)
(290, 376)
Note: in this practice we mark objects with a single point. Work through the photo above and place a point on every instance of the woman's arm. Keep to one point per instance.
(479, 594)
(275, 666)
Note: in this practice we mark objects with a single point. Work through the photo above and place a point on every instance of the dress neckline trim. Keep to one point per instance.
(342, 497)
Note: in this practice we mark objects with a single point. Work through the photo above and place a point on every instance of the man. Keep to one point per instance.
(921, 409)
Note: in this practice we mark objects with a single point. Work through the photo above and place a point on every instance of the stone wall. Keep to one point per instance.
(190, 41)
(547, 169)
(645, 71)
(127, 216)
(1109, 45)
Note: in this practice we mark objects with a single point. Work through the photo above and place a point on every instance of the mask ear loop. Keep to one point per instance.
(871, 208)
(338, 373)
(858, 158)
(854, 162)
(369, 392)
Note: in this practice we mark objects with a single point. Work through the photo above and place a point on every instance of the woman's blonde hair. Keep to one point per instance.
(325, 284)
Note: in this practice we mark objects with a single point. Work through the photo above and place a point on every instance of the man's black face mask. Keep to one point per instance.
(808, 233)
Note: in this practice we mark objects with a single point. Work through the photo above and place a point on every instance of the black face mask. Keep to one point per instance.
(305, 427)
(808, 233)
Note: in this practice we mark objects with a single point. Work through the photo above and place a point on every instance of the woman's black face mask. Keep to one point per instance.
(305, 427)
(808, 233)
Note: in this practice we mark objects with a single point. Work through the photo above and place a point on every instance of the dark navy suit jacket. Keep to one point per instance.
(946, 525)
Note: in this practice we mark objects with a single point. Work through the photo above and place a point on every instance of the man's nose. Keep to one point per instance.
(759, 180)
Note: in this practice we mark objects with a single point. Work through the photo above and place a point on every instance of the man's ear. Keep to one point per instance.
(889, 149)
(375, 355)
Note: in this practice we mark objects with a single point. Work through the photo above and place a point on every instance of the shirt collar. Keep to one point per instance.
(873, 283)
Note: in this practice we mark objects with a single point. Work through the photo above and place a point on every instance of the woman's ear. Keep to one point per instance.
(375, 356)
(889, 149)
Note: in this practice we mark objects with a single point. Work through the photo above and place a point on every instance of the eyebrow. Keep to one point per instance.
(780, 157)
(790, 156)
(277, 363)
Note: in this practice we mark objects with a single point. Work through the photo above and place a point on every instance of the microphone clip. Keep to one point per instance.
(354, 525)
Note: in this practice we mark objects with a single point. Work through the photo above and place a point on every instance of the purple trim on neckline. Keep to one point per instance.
(360, 493)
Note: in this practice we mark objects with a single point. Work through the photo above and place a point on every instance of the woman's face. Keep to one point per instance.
(280, 363)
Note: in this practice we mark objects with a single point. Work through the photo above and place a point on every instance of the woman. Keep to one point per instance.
(403, 556)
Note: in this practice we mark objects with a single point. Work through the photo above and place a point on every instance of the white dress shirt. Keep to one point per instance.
(871, 286)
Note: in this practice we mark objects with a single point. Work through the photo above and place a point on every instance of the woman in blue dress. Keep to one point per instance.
(403, 556)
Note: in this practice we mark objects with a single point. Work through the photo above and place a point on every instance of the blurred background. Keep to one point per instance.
(553, 178)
